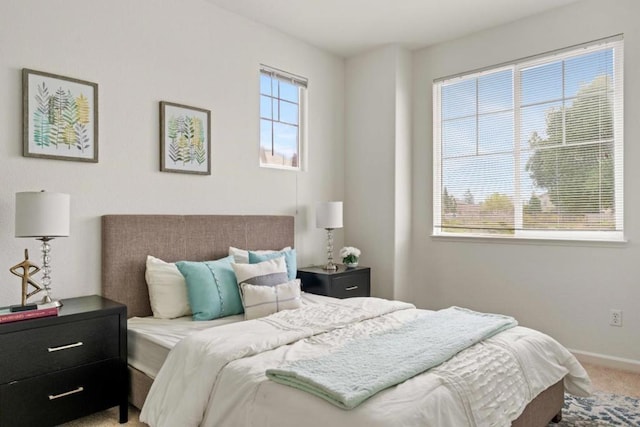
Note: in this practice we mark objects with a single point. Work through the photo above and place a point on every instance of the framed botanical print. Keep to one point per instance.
(185, 139)
(59, 117)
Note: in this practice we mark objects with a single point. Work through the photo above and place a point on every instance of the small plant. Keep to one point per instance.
(349, 255)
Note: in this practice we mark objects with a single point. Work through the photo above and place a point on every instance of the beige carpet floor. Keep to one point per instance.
(613, 380)
(604, 379)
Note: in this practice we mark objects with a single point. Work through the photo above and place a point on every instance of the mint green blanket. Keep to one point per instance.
(361, 368)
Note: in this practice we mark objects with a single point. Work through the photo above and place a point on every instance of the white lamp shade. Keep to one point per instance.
(42, 214)
(329, 215)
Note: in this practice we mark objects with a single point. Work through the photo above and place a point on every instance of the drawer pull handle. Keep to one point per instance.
(351, 288)
(58, 396)
(65, 347)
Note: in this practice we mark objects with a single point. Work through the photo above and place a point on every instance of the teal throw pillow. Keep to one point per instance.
(289, 259)
(212, 288)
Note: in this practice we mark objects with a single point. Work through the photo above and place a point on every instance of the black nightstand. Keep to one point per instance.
(56, 369)
(341, 283)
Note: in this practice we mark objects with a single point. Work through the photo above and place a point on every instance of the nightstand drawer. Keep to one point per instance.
(62, 396)
(52, 348)
(340, 283)
(351, 285)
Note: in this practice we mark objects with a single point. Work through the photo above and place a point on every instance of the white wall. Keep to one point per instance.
(378, 94)
(141, 52)
(563, 289)
(402, 286)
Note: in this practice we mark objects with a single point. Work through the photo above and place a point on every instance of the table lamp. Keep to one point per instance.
(43, 215)
(329, 217)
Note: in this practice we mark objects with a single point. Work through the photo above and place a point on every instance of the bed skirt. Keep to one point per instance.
(546, 406)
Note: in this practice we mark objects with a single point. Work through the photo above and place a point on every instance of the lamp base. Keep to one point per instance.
(51, 302)
(330, 266)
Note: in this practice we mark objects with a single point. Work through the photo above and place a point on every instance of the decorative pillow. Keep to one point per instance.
(266, 273)
(212, 288)
(289, 258)
(260, 301)
(167, 289)
(242, 255)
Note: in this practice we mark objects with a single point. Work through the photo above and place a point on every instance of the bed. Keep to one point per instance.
(128, 239)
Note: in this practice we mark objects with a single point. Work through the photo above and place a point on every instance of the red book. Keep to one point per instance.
(6, 317)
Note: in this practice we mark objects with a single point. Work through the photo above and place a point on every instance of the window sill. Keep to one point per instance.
(280, 167)
(535, 240)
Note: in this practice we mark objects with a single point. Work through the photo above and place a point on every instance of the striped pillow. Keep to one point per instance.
(260, 301)
(289, 260)
(267, 273)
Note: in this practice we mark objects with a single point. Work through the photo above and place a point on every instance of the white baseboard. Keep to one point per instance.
(629, 365)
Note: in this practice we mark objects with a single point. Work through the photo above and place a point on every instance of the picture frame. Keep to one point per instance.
(59, 117)
(185, 139)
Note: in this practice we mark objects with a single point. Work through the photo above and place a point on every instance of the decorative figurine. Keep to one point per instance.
(28, 269)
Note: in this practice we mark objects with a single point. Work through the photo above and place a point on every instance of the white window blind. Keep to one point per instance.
(533, 148)
(282, 104)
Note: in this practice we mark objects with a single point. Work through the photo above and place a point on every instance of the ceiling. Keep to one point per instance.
(350, 27)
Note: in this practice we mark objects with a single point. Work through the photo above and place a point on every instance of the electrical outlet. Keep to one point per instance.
(615, 317)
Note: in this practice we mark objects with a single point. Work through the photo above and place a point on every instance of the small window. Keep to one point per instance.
(282, 103)
(533, 148)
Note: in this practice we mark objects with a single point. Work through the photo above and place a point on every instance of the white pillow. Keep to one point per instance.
(167, 289)
(241, 256)
(260, 301)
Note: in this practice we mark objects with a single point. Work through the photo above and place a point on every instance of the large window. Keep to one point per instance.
(282, 104)
(533, 148)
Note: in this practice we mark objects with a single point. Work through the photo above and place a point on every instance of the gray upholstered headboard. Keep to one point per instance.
(128, 239)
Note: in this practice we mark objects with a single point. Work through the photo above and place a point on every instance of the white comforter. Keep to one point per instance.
(217, 377)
